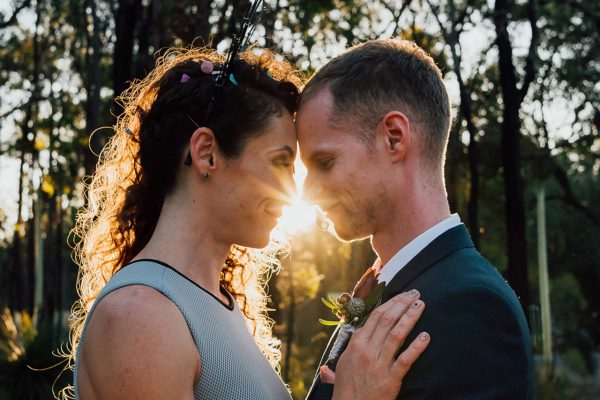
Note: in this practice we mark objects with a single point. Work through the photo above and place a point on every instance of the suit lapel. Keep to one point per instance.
(453, 239)
(317, 378)
(448, 242)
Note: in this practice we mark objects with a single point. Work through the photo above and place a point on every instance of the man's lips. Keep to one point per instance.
(328, 205)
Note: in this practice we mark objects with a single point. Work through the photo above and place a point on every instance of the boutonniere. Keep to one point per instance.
(353, 310)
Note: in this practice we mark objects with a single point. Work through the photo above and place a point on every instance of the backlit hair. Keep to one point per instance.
(137, 168)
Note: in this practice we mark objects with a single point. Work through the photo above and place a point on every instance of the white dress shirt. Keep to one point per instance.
(408, 252)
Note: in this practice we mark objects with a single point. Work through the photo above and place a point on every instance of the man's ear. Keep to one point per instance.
(203, 149)
(394, 134)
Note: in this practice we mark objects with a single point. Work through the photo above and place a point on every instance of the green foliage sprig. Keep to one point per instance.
(355, 309)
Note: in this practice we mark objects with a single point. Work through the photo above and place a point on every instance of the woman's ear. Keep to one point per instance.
(203, 149)
(394, 133)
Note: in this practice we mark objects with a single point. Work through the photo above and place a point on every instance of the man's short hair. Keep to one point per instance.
(379, 76)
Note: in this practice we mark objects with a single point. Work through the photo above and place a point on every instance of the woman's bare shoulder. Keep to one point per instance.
(138, 344)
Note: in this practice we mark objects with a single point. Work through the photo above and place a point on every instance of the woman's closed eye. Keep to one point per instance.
(283, 162)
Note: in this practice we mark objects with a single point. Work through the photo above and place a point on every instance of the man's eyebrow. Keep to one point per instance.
(286, 148)
(320, 154)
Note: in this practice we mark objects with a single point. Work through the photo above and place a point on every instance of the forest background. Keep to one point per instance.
(523, 77)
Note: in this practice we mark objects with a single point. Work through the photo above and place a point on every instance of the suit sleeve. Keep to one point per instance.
(322, 391)
(477, 349)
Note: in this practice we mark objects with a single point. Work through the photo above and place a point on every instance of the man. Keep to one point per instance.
(373, 128)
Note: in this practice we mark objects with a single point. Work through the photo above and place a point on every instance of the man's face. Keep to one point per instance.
(344, 174)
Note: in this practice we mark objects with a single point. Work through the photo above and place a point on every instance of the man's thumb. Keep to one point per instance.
(327, 375)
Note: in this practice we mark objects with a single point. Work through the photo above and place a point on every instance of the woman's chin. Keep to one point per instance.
(259, 241)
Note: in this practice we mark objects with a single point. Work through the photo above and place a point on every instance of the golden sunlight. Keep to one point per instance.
(299, 216)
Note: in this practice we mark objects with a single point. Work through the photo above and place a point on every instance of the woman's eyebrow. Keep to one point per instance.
(285, 148)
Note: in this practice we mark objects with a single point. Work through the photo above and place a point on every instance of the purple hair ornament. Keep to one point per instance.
(207, 67)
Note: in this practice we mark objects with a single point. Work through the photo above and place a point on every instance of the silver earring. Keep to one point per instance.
(205, 175)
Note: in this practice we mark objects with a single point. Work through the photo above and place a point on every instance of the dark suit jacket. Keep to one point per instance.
(480, 344)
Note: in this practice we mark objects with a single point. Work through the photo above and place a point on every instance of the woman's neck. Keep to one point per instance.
(184, 240)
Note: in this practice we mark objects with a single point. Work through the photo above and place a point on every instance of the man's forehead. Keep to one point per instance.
(318, 103)
(316, 144)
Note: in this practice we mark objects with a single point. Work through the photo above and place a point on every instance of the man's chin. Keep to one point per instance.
(346, 234)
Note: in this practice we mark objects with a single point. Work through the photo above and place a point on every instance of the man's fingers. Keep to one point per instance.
(399, 305)
(384, 317)
(398, 334)
(406, 359)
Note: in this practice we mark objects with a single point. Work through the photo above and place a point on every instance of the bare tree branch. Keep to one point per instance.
(532, 54)
(31, 99)
(397, 15)
(563, 180)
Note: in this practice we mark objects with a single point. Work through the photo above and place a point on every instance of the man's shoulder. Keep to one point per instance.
(476, 321)
(465, 270)
(465, 281)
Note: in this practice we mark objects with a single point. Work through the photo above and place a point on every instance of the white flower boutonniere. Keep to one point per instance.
(353, 310)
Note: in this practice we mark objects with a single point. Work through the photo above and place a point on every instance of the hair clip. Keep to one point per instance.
(232, 79)
(184, 78)
(128, 131)
(207, 67)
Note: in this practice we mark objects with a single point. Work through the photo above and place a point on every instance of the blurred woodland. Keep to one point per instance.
(524, 81)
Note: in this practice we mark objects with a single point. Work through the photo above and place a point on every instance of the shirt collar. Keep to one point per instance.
(408, 252)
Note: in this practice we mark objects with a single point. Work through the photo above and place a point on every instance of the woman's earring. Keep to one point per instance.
(205, 175)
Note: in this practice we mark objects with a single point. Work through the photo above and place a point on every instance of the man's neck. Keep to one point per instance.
(405, 224)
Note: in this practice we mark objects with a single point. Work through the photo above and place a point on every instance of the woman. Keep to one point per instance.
(193, 180)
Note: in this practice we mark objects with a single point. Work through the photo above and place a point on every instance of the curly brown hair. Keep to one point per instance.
(138, 166)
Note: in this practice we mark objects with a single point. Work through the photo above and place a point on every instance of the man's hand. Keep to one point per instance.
(369, 368)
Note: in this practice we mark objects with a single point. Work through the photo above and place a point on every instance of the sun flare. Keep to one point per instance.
(299, 216)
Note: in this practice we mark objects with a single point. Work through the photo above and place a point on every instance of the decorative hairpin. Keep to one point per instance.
(238, 44)
(184, 78)
(207, 67)
(241, 40)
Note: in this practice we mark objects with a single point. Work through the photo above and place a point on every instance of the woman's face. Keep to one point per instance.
(258, 183)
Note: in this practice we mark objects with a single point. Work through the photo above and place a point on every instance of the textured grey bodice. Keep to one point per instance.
(232, 366)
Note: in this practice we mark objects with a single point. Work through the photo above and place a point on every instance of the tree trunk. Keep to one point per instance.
(52, 274)
(29, 270)
(203, 24)
(125, 24)
(290, 329)
(512, 98)
(143, 59)
(452, 38)
(23, 271)
(93, 83)
(16, 283)
(270, 16)
(466, 111)
(453, 160)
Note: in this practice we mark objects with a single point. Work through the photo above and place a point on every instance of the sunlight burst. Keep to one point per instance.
(299, 216)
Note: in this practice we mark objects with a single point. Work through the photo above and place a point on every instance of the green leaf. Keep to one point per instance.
(329, 323)
(328, 304)
(332, 300)
(374, 296)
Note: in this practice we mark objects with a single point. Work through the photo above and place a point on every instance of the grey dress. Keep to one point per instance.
(232, 366)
